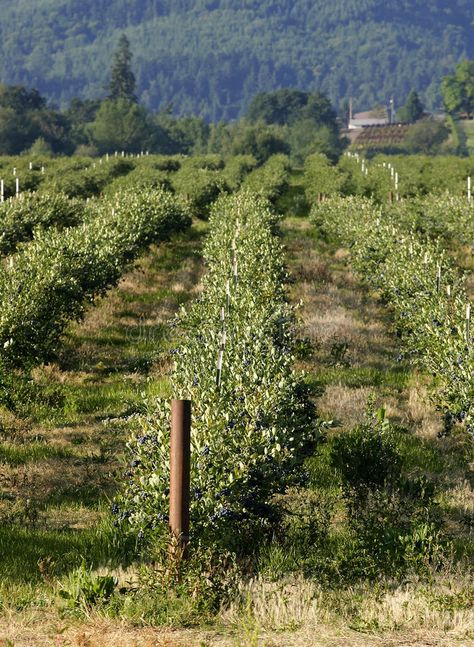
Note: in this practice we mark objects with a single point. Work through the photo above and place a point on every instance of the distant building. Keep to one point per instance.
(378, 117)
(363, 120)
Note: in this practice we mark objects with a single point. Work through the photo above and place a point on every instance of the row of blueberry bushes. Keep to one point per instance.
(253, 422)
(414, 275)
(51, 280)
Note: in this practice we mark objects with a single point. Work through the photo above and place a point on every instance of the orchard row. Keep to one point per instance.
(253, 422)
(414, 275)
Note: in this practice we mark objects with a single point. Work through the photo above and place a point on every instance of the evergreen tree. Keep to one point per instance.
(412, 110)
(122, 83)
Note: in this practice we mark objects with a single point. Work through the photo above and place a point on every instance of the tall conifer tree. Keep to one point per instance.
(122, 83)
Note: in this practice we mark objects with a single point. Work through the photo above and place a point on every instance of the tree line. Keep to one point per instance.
(289, 121)
(210, 57)
(285, 121)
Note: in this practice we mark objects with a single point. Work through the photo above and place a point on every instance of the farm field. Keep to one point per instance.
(380, 137)
(331, 474)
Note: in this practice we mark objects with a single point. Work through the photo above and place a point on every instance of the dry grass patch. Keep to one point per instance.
(46, 629)
(304, 614)
(420, 413)
(348, 404)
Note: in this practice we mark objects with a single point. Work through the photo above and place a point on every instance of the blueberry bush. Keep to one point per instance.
(253, 422)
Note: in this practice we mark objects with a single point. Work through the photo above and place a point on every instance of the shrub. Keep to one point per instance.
(253, 428)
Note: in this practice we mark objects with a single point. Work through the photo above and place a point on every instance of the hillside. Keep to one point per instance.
(210, 57)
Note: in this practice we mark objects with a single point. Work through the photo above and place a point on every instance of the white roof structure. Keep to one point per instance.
(355, 123)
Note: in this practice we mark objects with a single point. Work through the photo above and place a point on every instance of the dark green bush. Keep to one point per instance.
(367, 458)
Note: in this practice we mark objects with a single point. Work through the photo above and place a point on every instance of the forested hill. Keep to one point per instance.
(210, 57)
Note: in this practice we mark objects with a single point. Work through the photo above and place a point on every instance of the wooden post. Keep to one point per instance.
(180, 468)
(469, 189)
(17, 187)
(2, 191)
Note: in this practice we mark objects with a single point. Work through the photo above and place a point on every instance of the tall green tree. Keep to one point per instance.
(122, 80)
(287, 106)
(458, 89)
(260, 140)
(412, 110)
(20, 99)
(121, 125)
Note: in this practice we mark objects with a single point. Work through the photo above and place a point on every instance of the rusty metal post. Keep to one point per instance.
(180, 464)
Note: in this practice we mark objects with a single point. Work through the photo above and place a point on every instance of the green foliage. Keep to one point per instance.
(122, 82)
(458, 90)
(321, 178)
(24, 118)
(78, 179)
(186, 135)
(120, 124)
(287, 106)
(392, 516)
(367, 458)
(200, 187)
(419, 175)
(426, 137)
(52, 279)
(309, 118)
(41, 148)
(19, 218)
(403, 266)
(412, 110)
(258, 140)
(270, 180)
(362, 49)
(21, 100)
(237, 168)
(83, 588)
(254, 423)
(306, 139)
(184, 591)
(143, 177)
